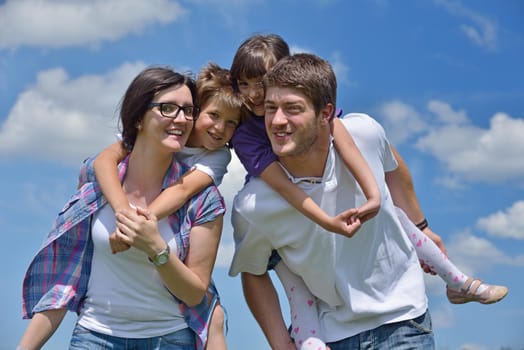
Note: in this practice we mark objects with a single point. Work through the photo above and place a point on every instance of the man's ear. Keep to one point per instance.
(327, 112)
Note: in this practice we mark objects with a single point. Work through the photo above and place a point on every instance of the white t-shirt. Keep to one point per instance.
(214, 163)
(126, 296)
(361, 282)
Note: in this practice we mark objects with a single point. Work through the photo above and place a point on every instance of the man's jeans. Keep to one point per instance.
(84, 339)
(415, 334)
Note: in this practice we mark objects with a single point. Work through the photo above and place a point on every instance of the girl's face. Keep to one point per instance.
(215, 126)
(253, 92)
(169, 132)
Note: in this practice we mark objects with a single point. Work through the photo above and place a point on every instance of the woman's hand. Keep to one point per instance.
(140, 230)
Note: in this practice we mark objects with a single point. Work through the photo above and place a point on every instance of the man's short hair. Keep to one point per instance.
(307, 73)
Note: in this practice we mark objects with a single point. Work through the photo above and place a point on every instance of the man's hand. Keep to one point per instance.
(438, 241)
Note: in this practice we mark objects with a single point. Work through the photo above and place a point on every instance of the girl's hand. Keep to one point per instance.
(346, 223)
(368, 210)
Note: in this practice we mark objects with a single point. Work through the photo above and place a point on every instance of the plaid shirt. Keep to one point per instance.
(59, 274)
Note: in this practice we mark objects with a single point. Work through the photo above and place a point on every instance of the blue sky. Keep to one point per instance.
(444, 77)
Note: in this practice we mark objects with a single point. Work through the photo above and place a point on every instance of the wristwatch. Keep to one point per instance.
(161, 257)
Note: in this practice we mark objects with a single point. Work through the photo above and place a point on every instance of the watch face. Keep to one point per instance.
(162, 259)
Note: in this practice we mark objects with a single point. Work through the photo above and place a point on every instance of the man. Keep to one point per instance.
(370, 288)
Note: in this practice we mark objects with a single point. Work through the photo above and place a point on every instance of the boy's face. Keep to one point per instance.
(215, 126)
(291, 122)
(253, 91)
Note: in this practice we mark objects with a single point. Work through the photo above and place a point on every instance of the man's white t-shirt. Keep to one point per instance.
(361, 282)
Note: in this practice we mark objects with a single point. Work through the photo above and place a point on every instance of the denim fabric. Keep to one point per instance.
(415, 334)
(84, 339)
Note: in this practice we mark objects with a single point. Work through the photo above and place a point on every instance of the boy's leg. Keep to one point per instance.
(216, 337)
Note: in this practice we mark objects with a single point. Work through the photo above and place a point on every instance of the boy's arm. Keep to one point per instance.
(275, 177)
(106, 172)
(41, 328)
(360, 169)
(173, 197)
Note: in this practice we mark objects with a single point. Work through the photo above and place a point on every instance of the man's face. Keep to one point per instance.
(291, 123)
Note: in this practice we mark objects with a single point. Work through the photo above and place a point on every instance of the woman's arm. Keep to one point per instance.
(187, 280)
(360, 169)
(343, 223)
(41, 328)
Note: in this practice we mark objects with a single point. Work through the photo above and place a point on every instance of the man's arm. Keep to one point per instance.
(400, 184)
(262, 299)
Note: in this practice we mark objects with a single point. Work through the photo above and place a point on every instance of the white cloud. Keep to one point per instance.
(293, 49)
(66, 119)
(225, 255)
(443, 316)
(473, 254)
(470, 346)
(446, 114)
(486, 155)
(508, 223)
(340, 68)
(400, 121)
(61, 23)
(479, 29)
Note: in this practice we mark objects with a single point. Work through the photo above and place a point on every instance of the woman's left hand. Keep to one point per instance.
(140, 230)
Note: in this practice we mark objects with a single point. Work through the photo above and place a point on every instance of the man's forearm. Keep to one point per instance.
(400, 184)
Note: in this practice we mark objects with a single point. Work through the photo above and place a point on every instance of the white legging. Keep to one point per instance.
(303, 307)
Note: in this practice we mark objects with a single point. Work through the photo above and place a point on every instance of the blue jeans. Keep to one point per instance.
(84, 339)
(415, 334)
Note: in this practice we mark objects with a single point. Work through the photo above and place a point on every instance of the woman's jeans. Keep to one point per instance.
(415, 334)
(84, 339)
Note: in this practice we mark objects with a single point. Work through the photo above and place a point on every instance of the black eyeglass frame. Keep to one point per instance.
(192, 117)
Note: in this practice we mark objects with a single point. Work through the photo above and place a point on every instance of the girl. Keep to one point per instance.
(206, 152)
(155, 295)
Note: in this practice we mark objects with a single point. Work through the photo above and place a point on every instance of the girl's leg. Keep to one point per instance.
(305, 326)
(461, 288)
(216, 337)
(430, 253)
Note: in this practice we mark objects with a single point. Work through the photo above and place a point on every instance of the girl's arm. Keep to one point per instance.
(343, 223)
(41, 328)
(360, 169)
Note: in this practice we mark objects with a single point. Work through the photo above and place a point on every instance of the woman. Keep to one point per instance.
(154, 295)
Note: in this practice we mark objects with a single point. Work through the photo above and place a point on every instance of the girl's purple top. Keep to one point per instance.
(252, 146)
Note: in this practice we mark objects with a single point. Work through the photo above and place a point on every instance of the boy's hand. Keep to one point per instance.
(115, 243)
